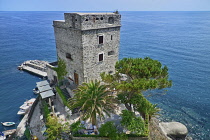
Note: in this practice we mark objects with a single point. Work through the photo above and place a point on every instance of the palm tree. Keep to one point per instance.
(93, 99)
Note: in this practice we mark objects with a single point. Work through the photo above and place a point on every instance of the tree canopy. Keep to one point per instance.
(61, 69)
(136, 75)
(55, 129)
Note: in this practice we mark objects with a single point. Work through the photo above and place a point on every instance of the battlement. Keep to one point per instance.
(89, 21)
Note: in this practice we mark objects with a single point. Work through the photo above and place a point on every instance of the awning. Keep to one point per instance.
(44, 88)
(46, 94)
(42, 83)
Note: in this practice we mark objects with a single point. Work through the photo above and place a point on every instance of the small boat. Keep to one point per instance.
(22, 111)
(31, 101)
(25, 107)
(36, 90)
(8, 123)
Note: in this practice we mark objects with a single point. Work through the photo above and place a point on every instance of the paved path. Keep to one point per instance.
(36, 124)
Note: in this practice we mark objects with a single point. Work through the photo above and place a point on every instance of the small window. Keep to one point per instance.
(75, 19)
(97, 18)
(110, 72)
(101, 40)
(86, 19)
(102, 18)
(68, 56)
(101, 57)
(111, 53)
(110, 20)
(111, 37)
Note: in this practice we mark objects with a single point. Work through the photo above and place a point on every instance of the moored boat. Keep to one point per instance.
(36, 90)
(25, 107)
(22, 111)
(8, 123)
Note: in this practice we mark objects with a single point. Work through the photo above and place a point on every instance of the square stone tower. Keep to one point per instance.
(88, 43)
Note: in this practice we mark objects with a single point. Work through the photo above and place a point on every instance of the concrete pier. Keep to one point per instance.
(36, 67)
(35, 71)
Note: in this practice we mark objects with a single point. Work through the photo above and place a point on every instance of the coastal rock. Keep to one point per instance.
(174, 130)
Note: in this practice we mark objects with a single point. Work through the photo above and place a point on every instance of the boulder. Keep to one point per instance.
(174, 130)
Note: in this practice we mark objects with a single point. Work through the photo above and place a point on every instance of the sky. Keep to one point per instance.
(104, 5)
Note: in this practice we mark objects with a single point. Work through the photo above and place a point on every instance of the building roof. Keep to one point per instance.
(46, 94)
(44, 88)
(42, 83)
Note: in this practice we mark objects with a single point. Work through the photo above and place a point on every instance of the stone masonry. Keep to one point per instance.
(88, 43)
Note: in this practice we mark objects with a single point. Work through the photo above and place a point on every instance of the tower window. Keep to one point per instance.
(110, 72)
(97, 18)
(68, 56)
(86, 19)
(101, 57)
(111, 37)
(102, 18)
(101, 40)
(110, 20)
(111, 53)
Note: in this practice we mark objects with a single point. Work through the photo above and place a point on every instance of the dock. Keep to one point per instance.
(36, 67)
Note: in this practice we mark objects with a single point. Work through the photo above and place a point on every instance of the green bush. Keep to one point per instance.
(45, 110)
(27, 133)
(109, 130)
(75, 127)
(135, 124)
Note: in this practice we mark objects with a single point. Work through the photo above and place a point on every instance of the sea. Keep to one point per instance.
(179, 40)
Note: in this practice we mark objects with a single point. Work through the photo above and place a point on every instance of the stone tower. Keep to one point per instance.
(89, 44)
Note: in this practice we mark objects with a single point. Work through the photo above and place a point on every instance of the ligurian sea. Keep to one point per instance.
(180, 40)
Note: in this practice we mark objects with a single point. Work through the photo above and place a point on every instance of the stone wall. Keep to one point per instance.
(89, 21)
(105, 138)
(91, 50)
(68, 41)
(51, 74)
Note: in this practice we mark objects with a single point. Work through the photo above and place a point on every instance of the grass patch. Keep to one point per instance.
(45, 110)
(27, 133)
(59, 91)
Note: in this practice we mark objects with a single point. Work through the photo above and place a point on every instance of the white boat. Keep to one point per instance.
(8, 123)
(31, 101)
(22, 111)
(25, 107)
(28, 103)
(36, 90)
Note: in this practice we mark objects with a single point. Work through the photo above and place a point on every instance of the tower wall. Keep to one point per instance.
(91, 50)
(89, 43)
(68, 41)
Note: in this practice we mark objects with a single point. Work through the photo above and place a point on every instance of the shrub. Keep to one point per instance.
(75, 127)
(45, 110)
(109, 130)
(27, 133)
(133, 123)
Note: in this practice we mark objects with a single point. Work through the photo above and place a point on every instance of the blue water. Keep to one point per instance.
(180, 40)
